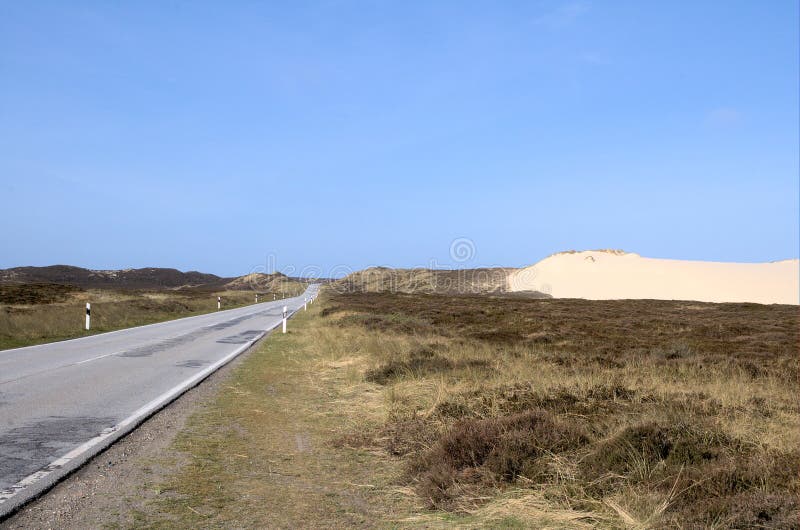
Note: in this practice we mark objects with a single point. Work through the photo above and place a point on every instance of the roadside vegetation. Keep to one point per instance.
(623, 413)
(35, 313)
(264, 453)
(382, 409)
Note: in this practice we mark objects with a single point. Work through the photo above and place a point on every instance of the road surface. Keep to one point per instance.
(63, 402)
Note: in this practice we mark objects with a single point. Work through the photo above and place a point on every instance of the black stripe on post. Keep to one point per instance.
(88, 311)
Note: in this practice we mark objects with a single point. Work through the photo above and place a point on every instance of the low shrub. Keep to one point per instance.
(499, 449)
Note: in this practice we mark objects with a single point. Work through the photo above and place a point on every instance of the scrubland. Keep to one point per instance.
(398, 410)
(643, 413)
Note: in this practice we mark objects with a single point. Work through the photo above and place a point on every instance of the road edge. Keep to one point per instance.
(39, 483)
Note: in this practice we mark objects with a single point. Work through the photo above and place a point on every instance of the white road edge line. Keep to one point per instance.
(131, 421)
(98, 357)
(154, 324)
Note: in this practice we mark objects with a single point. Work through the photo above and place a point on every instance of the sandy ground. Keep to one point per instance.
(109, 487)
(610, 275)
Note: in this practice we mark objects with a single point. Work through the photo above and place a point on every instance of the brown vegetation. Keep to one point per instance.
(640, 413)
(35, 293)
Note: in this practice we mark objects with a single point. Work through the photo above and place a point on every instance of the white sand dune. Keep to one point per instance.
(610, 275)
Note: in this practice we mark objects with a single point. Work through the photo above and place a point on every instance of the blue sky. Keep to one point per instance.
(211, 135)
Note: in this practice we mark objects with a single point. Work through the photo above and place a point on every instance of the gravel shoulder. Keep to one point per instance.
(113, 485)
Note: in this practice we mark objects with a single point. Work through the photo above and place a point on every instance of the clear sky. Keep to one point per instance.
(210, 135)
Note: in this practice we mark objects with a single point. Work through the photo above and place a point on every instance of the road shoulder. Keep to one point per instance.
(122, 478)
(255, 445)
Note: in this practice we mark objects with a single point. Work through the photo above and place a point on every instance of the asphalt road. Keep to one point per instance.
(63, 402)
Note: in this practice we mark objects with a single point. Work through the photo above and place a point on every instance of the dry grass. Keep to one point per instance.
(389, 410)
(268, 451)
(631, 413)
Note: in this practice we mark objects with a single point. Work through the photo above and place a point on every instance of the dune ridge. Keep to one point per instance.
(610, 275)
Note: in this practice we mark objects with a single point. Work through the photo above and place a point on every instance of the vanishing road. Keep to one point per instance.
(63, 402)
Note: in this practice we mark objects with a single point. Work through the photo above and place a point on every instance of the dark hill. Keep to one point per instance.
(148, 278)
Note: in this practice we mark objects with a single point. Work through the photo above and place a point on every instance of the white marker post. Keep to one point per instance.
(256, 298)
(219, 303)
(274, 296)
(285, 312)
(305, 304)
(88, 315)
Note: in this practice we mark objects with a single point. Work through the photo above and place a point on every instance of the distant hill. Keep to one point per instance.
(148, 278)
(431, 281)
(258, 281)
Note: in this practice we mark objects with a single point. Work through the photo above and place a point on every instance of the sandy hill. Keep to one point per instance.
(147, 278)
(258, 281)
(613, 274)
(466, 281)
